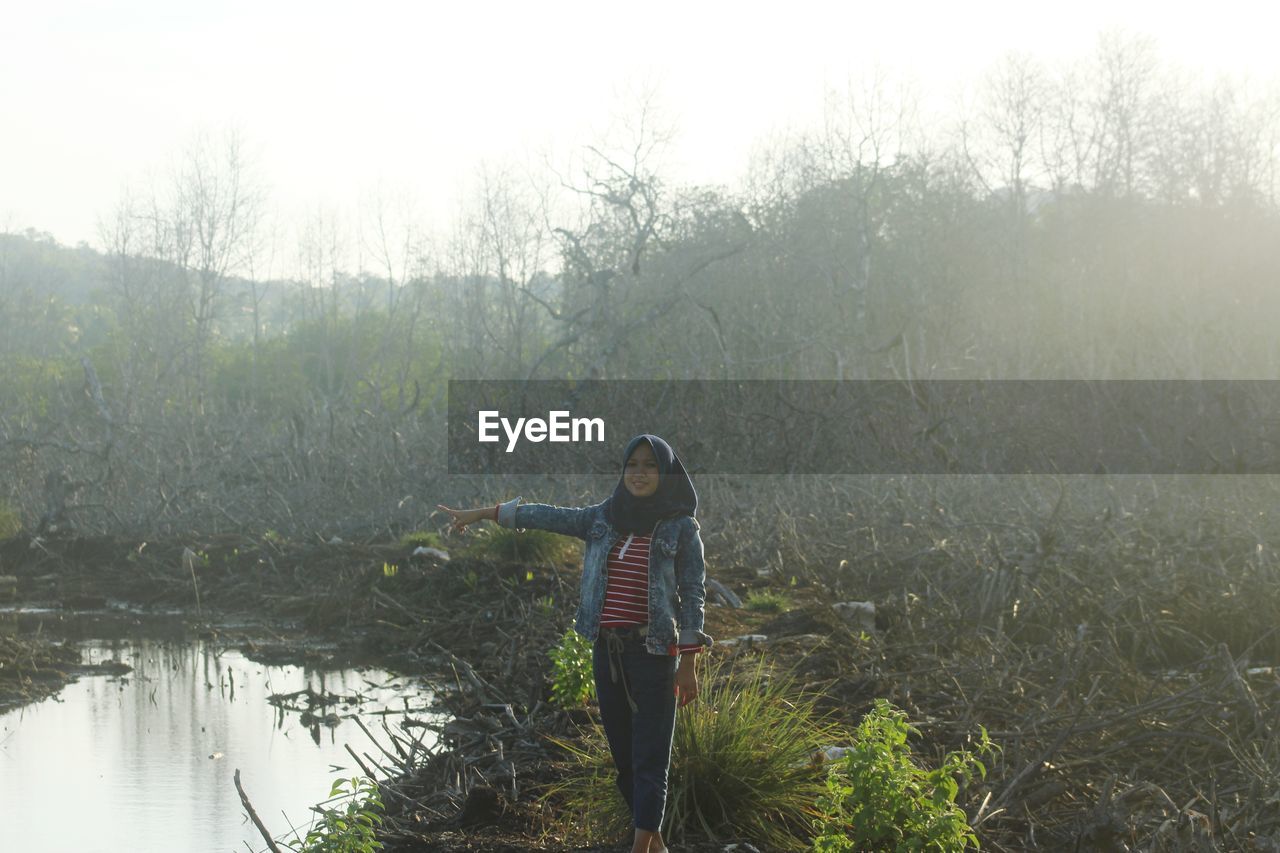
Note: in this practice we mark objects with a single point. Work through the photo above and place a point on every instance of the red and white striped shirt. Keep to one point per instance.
(626, 592)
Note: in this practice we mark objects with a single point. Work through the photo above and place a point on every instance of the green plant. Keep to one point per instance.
(348, 828)
(421, 538)
(741, 765)
(572, 683)
(471, 580)
(531, 546)
(10, 522)
(878, 798)
(767, 602)
(545, 605)
(389, 569)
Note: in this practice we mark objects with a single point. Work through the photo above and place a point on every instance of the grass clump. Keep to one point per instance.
(741, 766)
(10, 522)
(422, 539)
(767, 602)
(528, 546)
(879, 799)
(572, 682)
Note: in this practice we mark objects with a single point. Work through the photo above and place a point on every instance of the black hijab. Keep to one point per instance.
(675, 495)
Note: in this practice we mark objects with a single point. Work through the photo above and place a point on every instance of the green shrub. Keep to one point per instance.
(767, 602)
(422, 539)
(350, 827)
(572, 683)
(10, 522)
(527, 546)
(545, 606)
(741, 765)
(877, 798)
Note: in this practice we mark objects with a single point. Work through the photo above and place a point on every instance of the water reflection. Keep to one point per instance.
(144, 761)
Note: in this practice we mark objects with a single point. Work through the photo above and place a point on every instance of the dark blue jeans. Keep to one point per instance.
(639, 738)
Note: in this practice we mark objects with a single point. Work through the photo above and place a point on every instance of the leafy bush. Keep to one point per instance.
(526, 546)
(877, 798)
(741, 765)
(422, 539)
(767, 602)
(10, 522)
(350, 828)
(572, 683)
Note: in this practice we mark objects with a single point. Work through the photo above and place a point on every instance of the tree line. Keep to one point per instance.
(200, 372)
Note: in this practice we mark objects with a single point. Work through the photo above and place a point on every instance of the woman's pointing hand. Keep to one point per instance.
(463, 517)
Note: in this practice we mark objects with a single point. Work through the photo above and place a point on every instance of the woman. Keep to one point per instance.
(642, 605)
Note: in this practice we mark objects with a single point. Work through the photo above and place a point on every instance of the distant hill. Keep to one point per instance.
(35, 261)
(51, 294)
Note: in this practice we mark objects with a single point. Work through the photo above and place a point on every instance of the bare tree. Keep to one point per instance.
(202, 223)
(1068, 140)
(622, 218)
(394, 241)
(1125, 69)
(1012, 113)
(620, 176)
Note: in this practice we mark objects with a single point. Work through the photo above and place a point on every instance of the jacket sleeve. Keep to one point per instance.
(569, 520)
(691, 579)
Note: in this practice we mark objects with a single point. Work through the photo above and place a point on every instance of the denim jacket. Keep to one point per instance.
(677, 573)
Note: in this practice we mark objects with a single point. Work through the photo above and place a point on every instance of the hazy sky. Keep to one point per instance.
(337, 99)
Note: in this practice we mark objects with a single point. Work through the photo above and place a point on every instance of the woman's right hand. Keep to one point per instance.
(463, 517)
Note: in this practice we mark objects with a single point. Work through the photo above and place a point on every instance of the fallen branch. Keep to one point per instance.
(253, 815)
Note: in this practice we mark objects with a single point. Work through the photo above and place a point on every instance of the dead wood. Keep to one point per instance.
(253, 815)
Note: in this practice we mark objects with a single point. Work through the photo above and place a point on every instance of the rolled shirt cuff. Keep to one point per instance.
(507, 512)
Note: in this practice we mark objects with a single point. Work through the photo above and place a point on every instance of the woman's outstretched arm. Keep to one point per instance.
(569, 520)
(463, 517)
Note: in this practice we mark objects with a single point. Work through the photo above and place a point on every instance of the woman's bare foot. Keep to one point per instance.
(648, 842)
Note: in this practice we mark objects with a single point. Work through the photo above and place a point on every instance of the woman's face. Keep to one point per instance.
(641, 473)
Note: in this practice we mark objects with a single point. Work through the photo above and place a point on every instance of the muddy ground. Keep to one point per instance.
(1124, 722)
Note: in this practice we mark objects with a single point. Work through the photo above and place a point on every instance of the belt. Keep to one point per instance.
(615, 643)
(638, 632)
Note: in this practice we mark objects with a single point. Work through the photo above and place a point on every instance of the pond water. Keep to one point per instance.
(144, 761)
